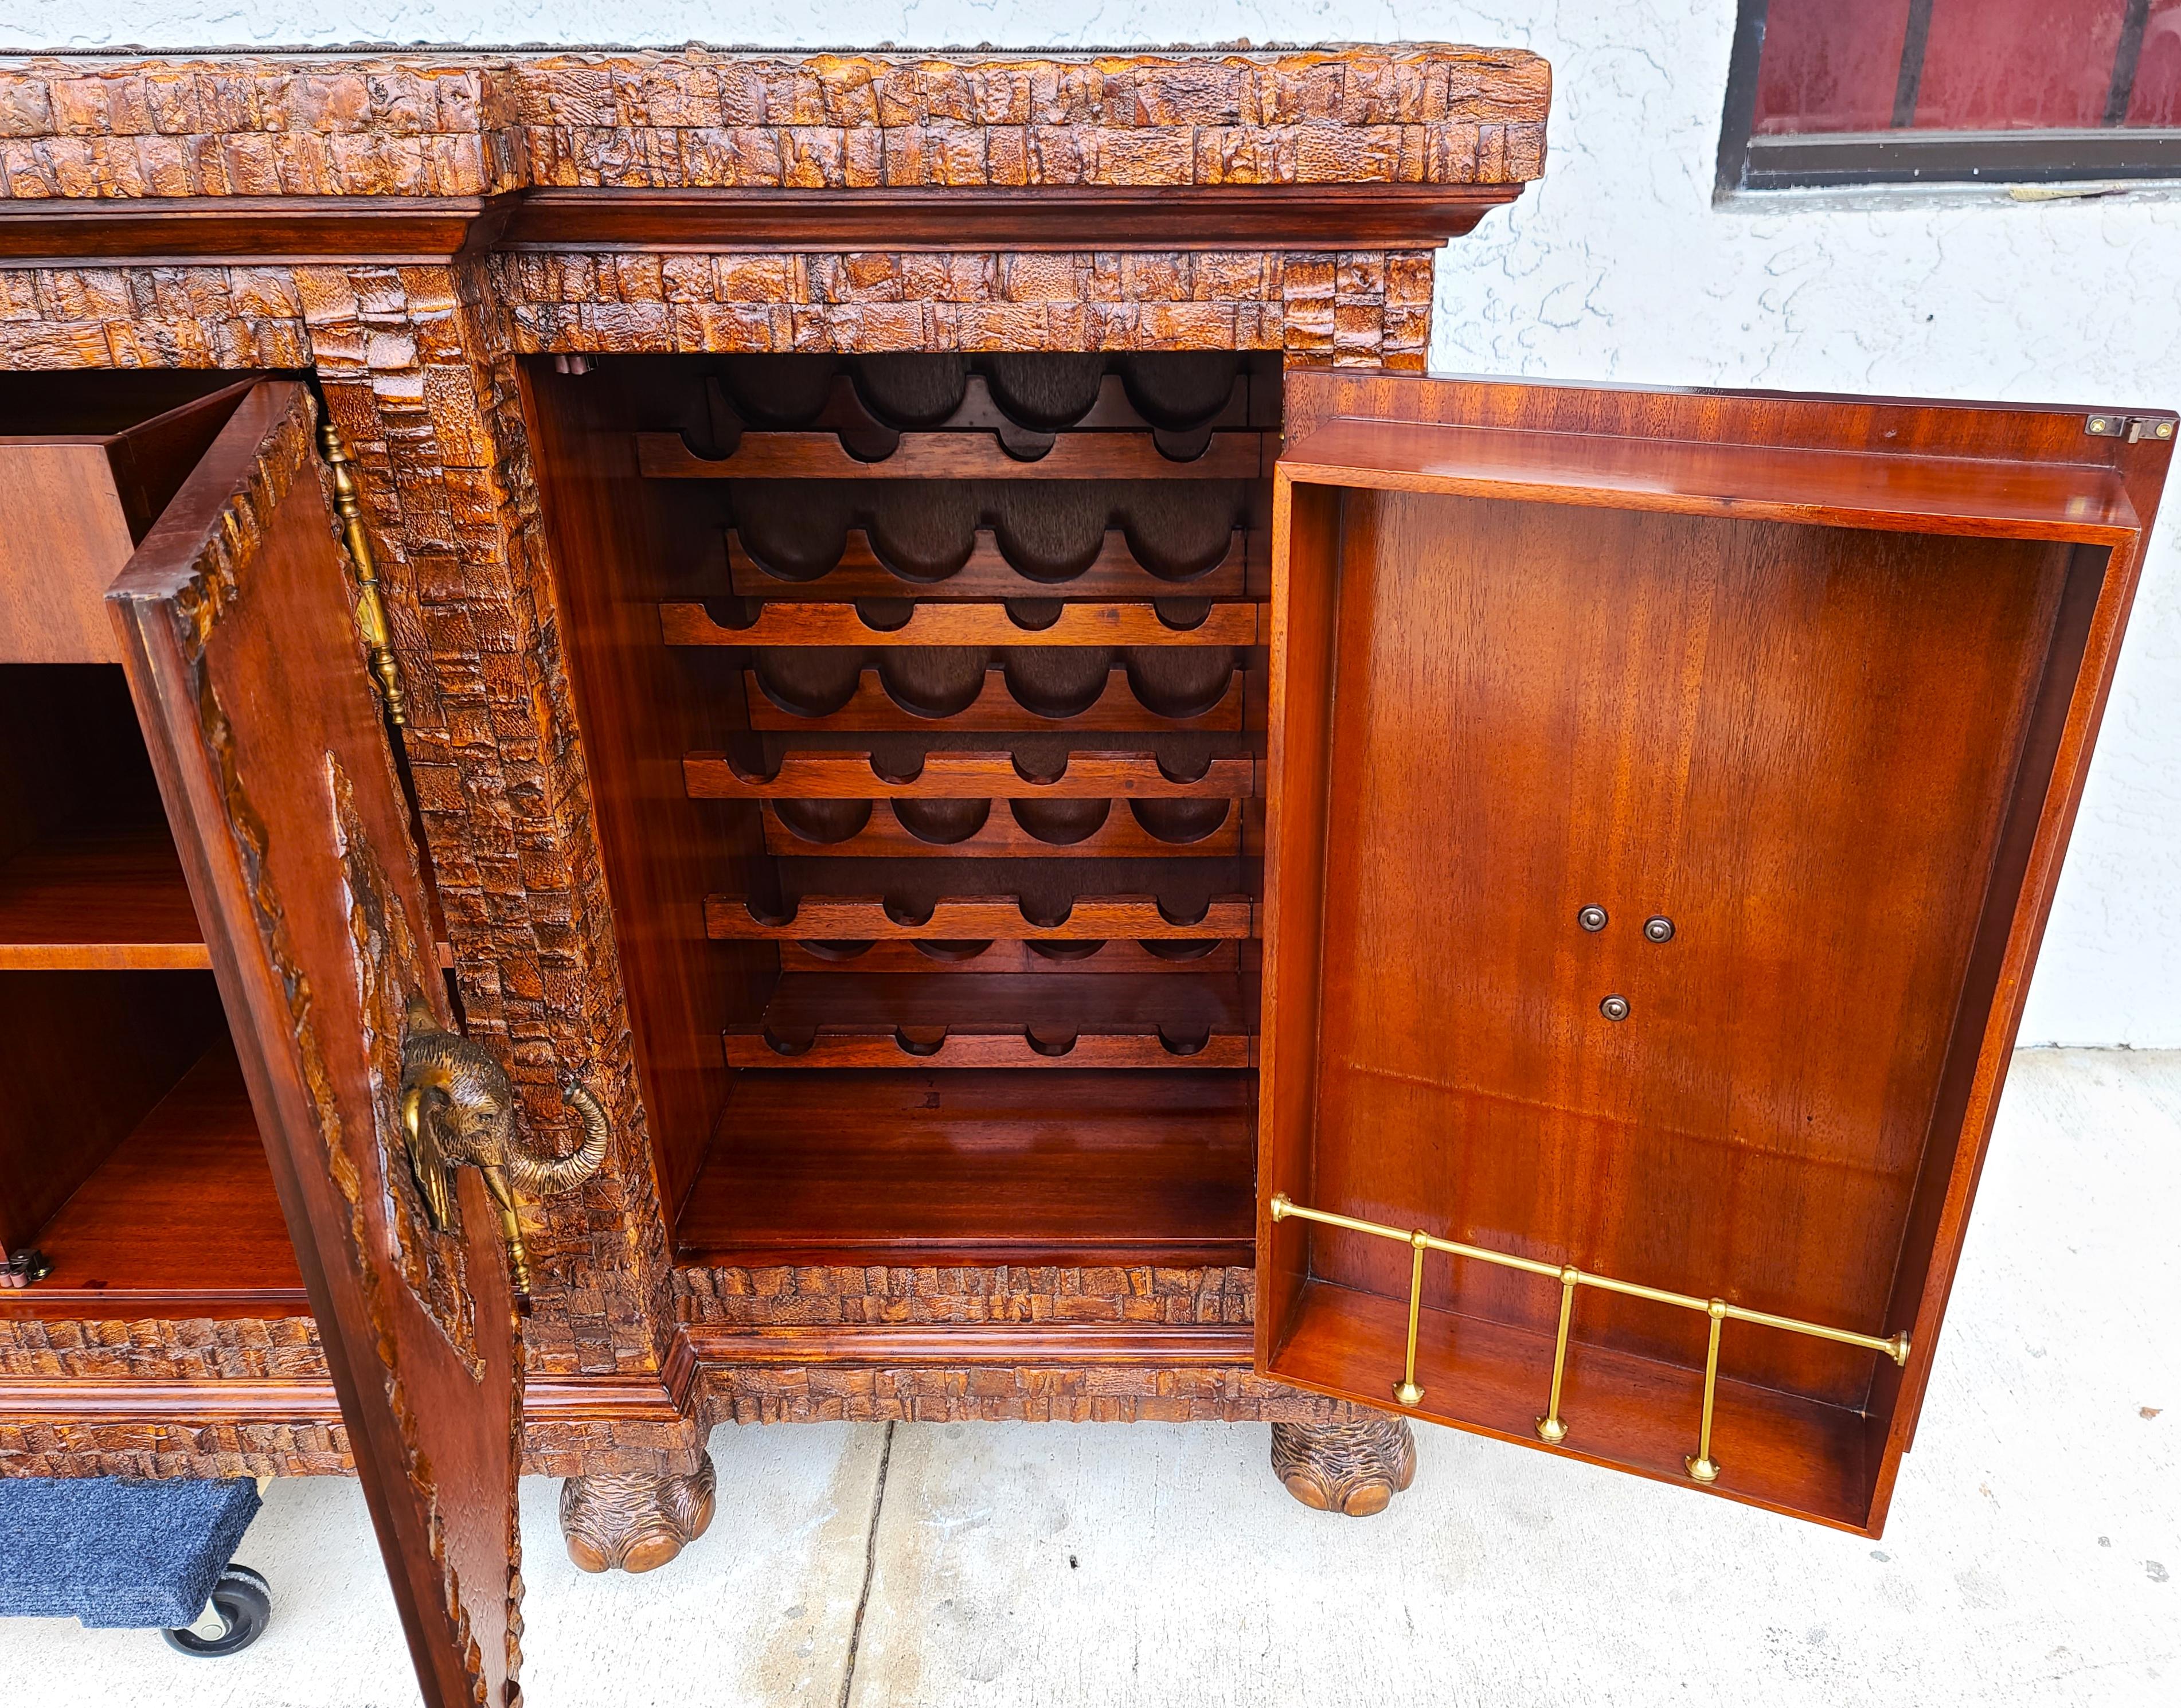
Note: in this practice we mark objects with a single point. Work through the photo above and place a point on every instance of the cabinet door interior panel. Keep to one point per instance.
(1659, 826)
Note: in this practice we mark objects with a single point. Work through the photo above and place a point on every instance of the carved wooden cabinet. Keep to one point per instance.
(880, 687)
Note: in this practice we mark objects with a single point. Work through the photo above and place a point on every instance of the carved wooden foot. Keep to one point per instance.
(635, 1523)
(1355, 1467)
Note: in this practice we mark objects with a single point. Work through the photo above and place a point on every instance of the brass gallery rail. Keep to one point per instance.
(1552, 1428)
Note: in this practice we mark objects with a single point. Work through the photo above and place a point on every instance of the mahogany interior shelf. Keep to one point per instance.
(969, 919)
(1045, 622)
(1103, 830)
(862, 572)
(997, 1020)
(994, 706)
(182, 1211)
(99, 895)
(911, 1168)
(832, 775)
(953, 456)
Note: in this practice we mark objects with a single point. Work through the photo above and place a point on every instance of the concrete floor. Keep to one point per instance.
(2030, 1558)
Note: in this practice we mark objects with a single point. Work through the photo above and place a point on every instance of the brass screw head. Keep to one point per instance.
(1592, 919)
(2165, 429)
(1614, 1007)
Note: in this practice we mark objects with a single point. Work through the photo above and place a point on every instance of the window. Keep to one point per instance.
(1899, 92)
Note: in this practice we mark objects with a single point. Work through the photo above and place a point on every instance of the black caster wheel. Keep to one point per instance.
(244, 1602)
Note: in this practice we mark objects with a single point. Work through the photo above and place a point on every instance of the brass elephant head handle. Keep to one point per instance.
(458, 1107)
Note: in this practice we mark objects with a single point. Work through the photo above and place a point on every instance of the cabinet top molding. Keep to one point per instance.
(259, 156)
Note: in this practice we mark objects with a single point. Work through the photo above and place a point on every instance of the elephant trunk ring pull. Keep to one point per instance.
(457, 1106)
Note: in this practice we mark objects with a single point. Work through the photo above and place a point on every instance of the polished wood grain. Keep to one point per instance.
(820, 774)
(242, 654)
(1231, 455)
(1012, 829)
(1304, 620)
(998, 1020)
(862, 572)
(915, 1168)
(1988, 498)
(250, 229)
(956, 919)
(99, 894)
(1116, 708)
(181, 1218)
(689, 622)
(67, 537)
(1816, 702)
(86, 1057)
(81, 481)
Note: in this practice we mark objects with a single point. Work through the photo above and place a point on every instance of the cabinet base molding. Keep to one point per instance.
(1355, 1467)
(635, 1523)
(1031, 1387)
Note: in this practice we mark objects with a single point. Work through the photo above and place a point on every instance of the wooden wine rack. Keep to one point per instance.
(1117, 708)
(862, 571)
(1059, 907)
(821, 775)
(688, 623)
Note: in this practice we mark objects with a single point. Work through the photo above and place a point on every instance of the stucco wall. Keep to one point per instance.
(1618, 266)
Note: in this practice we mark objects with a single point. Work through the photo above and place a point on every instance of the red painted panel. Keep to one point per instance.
(2019, 64)
(2157, 100)
(1829, 65)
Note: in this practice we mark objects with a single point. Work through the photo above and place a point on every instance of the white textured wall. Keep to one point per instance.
(1616, 267)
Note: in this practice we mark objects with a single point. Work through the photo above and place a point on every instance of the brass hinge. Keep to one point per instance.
(370, 600)
(2131, 428)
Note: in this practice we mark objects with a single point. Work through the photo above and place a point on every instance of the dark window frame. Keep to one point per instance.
(1853, 158)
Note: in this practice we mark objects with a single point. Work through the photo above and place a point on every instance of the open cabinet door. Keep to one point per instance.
(1666, 793)
(251, 684)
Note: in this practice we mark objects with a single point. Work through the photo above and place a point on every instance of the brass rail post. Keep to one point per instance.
(1552, 1428)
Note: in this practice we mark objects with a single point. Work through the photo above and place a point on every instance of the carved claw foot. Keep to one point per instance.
(635, 1523)
(1355, 1467)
